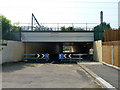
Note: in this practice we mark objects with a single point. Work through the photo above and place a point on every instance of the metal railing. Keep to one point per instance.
(60, 27)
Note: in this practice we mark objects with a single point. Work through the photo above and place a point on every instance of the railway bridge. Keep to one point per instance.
(56, 41)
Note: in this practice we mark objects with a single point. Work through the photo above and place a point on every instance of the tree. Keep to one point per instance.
(67, 29)
(79, 29)
(15, 27)
(119, 28)
(103, 26)
(63, 28)
(99, 31)
(71, 29)
(6, 25)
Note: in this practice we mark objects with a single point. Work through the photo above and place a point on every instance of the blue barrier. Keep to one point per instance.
(46, 56)
(61, 56)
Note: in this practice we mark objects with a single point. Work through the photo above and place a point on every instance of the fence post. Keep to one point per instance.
(86, 26)
(112, 55)
(102, 51)
(20, 33)
(57, 27)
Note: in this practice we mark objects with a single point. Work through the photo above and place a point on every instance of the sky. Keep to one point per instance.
(61, 11)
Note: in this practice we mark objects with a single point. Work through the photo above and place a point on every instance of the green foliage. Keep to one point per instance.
(119, 28)
(6, 25)
(63, 28)
(79, 29)
(103, 26)
(99, 31)
(16, 23)
(15, 27)
(8, 28)
(71, 29)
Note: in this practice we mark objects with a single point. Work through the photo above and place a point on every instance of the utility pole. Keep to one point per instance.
(101, 32)
(33, 17)
(101, 17)
(32, 23)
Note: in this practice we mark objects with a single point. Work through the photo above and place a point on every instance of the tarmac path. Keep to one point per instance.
(26, 75)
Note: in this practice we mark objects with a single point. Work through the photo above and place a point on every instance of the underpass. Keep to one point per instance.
(42, 42)
(39, 41)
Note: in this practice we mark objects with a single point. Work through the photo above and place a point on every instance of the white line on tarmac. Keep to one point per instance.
(104, 83)
(99, 79)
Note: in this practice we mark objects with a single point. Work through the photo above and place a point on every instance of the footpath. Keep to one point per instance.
(107, 76)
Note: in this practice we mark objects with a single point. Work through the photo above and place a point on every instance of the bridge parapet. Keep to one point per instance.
(86, 36)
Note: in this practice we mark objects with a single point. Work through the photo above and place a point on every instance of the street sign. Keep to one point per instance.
(65, 55)
(70, 55)
(38, 55)
(43, 55)
(61, 56)
(46, 56)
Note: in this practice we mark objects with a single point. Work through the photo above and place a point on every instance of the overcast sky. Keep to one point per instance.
(61, 11)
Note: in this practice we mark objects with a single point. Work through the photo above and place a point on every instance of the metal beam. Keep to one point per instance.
(33, 17)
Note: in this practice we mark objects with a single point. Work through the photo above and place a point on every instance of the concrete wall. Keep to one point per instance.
(81, 47)
(43, 47)
(14, 51)
(97, 46)
(78, 49)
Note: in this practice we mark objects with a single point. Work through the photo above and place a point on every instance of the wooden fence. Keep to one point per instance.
(112, 35)
(111, 53)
